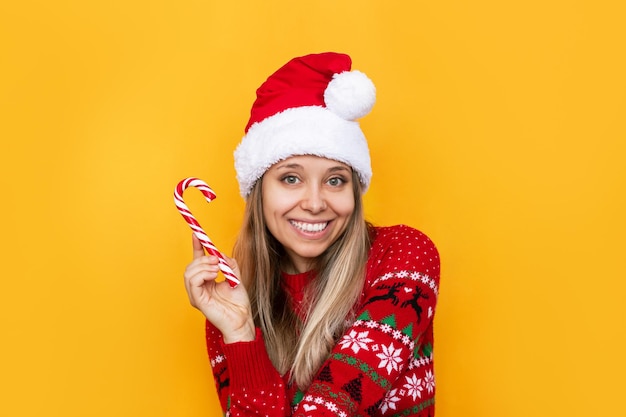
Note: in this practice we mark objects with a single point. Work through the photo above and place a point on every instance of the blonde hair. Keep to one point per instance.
(293, 345)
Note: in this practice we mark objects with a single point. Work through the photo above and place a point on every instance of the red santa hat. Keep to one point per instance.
(308, 107)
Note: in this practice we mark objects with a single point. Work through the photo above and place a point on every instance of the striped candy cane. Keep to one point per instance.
(209, 195)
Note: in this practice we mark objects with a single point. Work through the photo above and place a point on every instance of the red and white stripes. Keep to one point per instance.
(209, 195)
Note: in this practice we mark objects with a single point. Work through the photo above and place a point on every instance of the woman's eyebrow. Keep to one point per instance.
(289, 166)
(338, 168)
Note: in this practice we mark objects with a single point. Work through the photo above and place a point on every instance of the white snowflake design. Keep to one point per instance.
(217, 359)
(390, 358)
(385, 328)
(420, 362)
(356, 341)
(371, 324)
(331, 406)
(414, 386)
(429, 381)
(389, 403)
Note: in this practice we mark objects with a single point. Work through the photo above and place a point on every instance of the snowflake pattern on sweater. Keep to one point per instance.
(381, 366)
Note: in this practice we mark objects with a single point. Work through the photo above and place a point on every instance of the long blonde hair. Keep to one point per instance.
(295, 346)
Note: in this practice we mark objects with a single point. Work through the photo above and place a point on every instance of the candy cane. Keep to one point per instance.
(209, 195)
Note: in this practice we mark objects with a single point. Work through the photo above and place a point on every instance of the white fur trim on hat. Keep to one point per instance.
(311, 130)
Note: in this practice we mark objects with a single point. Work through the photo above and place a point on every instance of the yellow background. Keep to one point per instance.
(499, 131)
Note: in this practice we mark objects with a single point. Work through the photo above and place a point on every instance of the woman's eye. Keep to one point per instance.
(290, 179)
(335, 181)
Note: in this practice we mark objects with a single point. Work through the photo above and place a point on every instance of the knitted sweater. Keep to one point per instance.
(381, 366)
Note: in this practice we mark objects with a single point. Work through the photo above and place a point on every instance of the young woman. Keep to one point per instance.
(334, 316)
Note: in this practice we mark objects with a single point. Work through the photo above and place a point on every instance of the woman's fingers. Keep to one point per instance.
(198, 291)
(202, 277)
(200, 284)
(198, 250)
(198, 272)
(205, 263)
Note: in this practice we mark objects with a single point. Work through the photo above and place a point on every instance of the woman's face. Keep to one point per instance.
(307, 201)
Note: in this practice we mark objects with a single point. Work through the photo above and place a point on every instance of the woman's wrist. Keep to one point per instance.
(246, 333)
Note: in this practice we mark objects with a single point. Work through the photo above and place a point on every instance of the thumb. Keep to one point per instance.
(198, 249)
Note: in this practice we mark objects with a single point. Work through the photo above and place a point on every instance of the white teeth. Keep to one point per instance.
(310, 227)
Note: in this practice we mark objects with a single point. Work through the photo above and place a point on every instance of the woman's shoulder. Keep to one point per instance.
(402, 247)
(399, 234)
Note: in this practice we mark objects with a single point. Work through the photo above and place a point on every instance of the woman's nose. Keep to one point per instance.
(313, 200)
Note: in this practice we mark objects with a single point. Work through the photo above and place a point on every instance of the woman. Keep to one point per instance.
(334, 317)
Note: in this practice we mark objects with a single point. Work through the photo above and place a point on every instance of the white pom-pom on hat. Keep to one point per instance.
(350, 95)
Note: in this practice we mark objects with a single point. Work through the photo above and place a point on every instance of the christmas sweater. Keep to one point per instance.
(381, 366)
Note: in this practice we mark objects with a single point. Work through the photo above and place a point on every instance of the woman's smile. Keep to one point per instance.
(309, 228)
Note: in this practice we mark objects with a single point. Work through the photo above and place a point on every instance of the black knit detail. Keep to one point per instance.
(354, 388)
(326, 375)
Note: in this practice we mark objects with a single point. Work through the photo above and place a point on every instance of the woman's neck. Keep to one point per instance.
(290, 268)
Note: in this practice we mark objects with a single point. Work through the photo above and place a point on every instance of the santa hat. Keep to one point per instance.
(308, 107)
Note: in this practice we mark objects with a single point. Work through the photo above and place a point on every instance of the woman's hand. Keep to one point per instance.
(225, 307)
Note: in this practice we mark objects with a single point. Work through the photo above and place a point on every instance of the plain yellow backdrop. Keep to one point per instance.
(499, 131)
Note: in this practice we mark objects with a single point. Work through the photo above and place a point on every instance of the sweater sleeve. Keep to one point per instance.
(392, 331)
(247, 382)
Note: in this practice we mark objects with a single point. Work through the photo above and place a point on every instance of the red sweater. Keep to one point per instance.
(383, 364)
